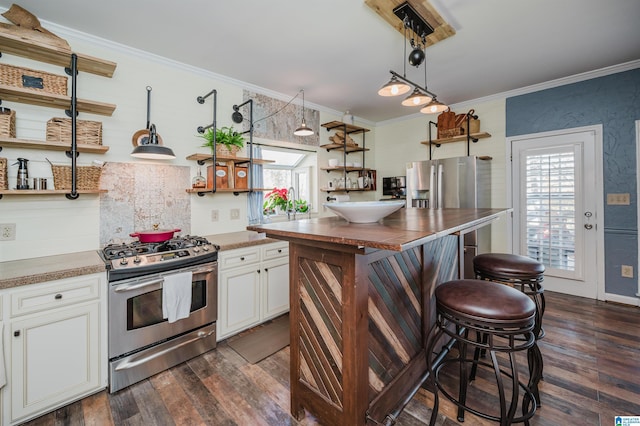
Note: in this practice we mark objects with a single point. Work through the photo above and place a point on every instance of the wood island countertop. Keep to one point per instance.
(399, 231)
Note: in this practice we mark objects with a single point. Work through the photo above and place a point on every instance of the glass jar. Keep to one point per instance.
(199, 181)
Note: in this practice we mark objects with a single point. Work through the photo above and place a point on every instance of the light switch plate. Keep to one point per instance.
(235, 213)
(622, 199)
(627, 271)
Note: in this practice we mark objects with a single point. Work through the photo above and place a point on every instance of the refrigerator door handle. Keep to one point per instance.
(440, 177)
(432, 187)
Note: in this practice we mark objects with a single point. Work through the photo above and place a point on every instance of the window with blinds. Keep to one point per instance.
(551, 209)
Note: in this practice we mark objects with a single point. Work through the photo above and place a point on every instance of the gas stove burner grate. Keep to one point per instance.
(119, 251)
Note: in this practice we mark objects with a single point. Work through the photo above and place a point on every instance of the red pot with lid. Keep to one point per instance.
(154, 235)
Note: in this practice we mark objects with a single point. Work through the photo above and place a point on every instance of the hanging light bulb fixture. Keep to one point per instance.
(399, 84)
(303, 130)
(147, 142)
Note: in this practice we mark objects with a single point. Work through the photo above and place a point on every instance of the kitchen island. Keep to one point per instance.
(362, 305)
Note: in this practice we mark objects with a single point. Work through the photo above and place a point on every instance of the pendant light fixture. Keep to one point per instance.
(434, 107)
(303, 130)
(148, 145)
(394, 87)
(399, 84)
(151, 148)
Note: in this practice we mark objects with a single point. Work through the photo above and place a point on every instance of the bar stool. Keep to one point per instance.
(506, 317)
(526, 275)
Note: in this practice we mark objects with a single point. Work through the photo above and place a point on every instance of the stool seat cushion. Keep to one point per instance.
(484, 300)
(504, 264)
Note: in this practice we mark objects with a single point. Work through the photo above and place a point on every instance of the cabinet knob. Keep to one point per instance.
(16, 333)
(258, 270)
(242, 258)
(266, 269)
(58, 296)
(279, 250)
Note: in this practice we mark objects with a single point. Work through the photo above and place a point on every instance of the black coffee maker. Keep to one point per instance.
(23, 175)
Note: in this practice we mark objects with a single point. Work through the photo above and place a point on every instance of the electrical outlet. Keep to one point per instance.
(214, 215)
(235, 213)
(7, 231)
(627, 271)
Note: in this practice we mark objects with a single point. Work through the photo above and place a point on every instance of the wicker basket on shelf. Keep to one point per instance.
(88, 177)
(4, 184)
(37, 81)
(224, 151)
(87, 132)
(7, 122)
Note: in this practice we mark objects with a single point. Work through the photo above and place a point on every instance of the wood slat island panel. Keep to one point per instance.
(361, 300)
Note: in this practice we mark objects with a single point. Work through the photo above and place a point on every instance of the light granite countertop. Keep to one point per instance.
(31, 271)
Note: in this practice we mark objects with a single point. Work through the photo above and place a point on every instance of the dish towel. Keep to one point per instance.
(176, 296)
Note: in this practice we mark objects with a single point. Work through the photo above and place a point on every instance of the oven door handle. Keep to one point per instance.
(130, 287)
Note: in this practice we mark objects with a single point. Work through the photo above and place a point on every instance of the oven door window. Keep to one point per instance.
(146, 309)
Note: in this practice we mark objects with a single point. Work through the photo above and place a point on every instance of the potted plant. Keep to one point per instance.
(275, 200)
(226, 139)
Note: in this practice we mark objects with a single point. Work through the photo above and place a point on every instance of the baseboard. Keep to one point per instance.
(626, 300)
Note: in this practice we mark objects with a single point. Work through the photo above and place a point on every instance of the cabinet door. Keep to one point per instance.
(54, 358)
(239, 301)
(275, 287)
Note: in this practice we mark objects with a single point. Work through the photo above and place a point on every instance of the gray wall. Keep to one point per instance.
(614, 102)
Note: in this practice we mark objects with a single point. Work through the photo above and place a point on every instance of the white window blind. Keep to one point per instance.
(551, 209)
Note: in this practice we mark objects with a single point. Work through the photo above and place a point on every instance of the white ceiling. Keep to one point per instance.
(341, 51)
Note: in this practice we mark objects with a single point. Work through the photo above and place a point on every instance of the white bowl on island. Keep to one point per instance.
(364, 211)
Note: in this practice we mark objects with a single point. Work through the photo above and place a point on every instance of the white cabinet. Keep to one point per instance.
(253, 286)
(57, 340)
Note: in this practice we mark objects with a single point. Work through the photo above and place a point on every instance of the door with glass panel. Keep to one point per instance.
(555, 201)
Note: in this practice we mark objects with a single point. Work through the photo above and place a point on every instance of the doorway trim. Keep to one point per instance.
(637, 198)
(597, 129)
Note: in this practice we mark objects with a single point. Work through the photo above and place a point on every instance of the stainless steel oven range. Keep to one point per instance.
(141, 342)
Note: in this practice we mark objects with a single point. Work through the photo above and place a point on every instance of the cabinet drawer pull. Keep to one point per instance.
(58, 296)
(16, 333)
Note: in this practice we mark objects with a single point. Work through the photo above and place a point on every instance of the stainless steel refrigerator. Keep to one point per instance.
(460, 182)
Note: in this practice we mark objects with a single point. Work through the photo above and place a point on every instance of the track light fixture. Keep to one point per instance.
(399, 84)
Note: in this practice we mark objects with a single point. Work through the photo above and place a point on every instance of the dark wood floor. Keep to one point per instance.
(592, 373)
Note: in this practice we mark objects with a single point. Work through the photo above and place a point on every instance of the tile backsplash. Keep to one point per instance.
(141, 195)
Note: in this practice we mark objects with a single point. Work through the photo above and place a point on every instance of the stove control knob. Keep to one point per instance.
(137, 260)
(196, 250)
(124, 261)
(205, 248)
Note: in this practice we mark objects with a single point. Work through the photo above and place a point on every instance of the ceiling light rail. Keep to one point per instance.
(400, 84)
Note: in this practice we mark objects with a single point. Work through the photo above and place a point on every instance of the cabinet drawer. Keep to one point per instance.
(55, 294)
(275, 250)
(239, 257)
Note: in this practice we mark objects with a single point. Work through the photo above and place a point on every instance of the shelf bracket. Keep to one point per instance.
(74, 113)
(470, 115)
(68, 153)
(72, 196)
(432, 123)
(200, 100)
